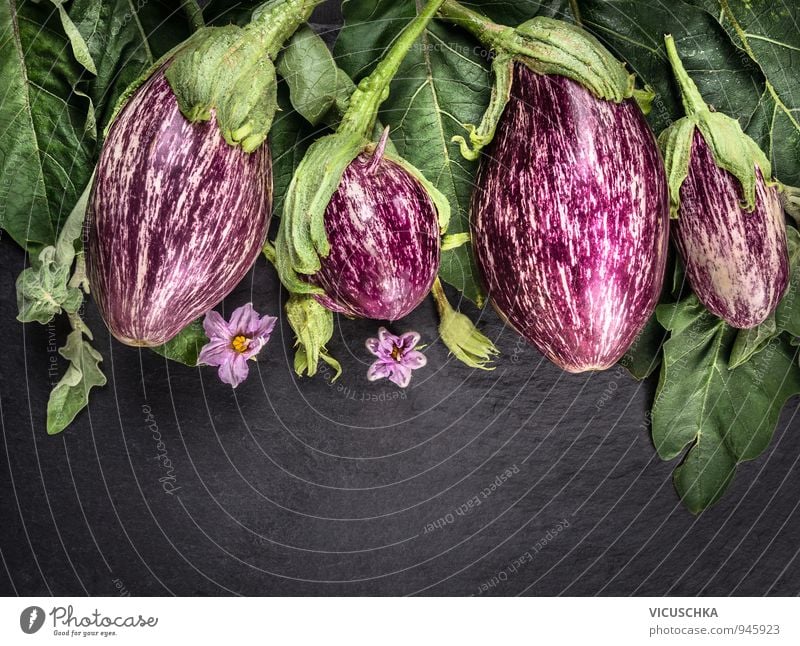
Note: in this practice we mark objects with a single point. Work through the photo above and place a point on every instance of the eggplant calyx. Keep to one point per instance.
(229, 72)
(460, 335)
(732, 149)
(313, 327)
(544, 45)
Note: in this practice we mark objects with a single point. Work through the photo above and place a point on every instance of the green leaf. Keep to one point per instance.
(185, 347)
(314, 81)
(71, 394)
(644, 355)
(767, 33)
(723, 415)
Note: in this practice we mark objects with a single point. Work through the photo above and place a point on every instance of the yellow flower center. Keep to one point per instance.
(396, 354)
(240, 343)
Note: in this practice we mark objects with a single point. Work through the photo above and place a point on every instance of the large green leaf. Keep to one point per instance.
(442, 84)
(45, 153)
(63, 65)
(723, 415)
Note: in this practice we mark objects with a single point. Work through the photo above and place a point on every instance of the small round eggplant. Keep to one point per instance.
(570, 220)
(736, 261)
(384, 241)
(176, 217)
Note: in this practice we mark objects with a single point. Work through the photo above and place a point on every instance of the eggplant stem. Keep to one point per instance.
(194, 13)
(690, 96)
(373, 90)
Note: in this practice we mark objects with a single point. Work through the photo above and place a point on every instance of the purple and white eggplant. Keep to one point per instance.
(176, 218)
(181, 200)
(383, 230)
(361, 226)
(569, 217)
(730, 228)
(569, 221)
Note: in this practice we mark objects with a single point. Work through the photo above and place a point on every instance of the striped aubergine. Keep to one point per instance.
(176, 217)
(570, 220)
(737, 262)
(383, 230)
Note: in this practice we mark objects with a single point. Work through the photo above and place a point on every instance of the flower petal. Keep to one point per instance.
(242, 318)
(379, 370)
(235, 371)
(215, 353)
(374, 346)
(414, 359)
(263, 328)
(387, 339)
(215, 326)
(401, 375)
(409, 340)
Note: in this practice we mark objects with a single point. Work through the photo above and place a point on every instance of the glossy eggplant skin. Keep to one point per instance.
(570, 221)
(737, 262)
(176, 217)
(384, 238)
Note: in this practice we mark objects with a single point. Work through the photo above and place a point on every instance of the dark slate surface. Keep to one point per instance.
(524, 480)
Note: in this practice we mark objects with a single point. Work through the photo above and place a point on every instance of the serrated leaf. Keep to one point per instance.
(71, 394)
(185, 347)
(723, 415)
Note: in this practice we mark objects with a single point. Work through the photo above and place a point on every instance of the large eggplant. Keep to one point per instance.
(384, 234)
(570, 220)
(176, 218)
(736, 261)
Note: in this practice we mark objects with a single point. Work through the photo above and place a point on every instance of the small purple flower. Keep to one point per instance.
(397, 357)
(232, 343)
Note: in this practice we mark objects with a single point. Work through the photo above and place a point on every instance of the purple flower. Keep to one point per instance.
(232, 343)
(397, 357)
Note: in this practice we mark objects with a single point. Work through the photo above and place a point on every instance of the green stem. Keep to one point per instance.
(194, 13)
(279, 23)
(440, 298)
(690, 95)
(374, 89)
(484, 30)
(576, 12)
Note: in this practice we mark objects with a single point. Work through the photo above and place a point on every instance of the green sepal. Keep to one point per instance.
(301, 237)
(503, 73)
(460, 335)
(550, 46)
(676, 145)
(313, 327)
(733, 150)
(455, 240)
(546, 46)
(71, 394)
(225, 70)
(644, 98)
